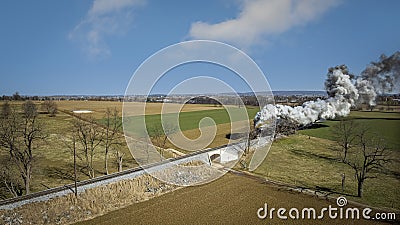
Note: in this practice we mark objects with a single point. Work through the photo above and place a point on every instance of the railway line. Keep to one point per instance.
(44, 195)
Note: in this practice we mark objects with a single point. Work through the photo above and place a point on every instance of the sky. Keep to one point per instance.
(78, 47)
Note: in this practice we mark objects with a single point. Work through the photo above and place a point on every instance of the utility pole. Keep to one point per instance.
(75, 182)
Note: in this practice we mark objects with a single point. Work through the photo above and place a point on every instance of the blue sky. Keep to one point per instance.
(93, 47)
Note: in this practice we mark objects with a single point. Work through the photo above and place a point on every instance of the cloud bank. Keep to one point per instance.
(104, 18)
(259, 18)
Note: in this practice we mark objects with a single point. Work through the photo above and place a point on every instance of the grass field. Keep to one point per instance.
(231, 199)
(311, 163)
(53, 160)
(386, 124)
(190, 120)
(308, 160)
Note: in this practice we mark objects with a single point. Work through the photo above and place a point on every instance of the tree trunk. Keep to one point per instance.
(27, 187)
(119, 161)
(106, 161)
(120, 165)
(343, 181)
(27, 181)
(91, 166)
(360, 188)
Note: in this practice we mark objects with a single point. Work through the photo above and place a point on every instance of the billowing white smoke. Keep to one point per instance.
(342, 95)
(343, 91)
(366, 92)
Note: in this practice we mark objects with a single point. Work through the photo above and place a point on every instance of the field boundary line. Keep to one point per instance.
(308, 191)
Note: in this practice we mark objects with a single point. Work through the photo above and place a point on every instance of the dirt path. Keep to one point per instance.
(231, 199)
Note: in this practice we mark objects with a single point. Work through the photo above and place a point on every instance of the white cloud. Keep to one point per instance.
(104, 18)
(260, 18)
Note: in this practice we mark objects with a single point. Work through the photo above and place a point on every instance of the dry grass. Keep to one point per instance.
(89, 204)
(53, 164)
(132, 108)
(103, 199)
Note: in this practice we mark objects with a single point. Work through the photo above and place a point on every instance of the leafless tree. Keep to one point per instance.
(29, 109)
(113, 126)
(159, 135)
(250, 136)
(367, 157)
(345, 133)
(89, 135)
(5, 110)
(21, 135)
(50, 107)
(10, 180)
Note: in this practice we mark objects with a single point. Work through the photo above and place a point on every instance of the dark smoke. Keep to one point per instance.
(344, 90)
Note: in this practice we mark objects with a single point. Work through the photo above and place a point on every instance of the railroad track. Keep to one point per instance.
(66, 189)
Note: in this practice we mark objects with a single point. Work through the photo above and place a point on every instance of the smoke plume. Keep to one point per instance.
(384, 75)
(344, 91)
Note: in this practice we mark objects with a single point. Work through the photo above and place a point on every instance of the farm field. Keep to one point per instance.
(311, 163)
(308, 159)
(190, 120)
(231, 199)
(305, 159)
(53, 160)
(386, 124)
(132, 108)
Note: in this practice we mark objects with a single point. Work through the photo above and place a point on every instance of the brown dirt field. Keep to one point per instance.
(231, 199)
(99, 107)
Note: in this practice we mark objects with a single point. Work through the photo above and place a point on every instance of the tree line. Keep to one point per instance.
(23, 134)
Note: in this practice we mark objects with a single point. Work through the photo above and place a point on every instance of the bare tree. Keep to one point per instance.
(21, 136)
(367, 157)
(345, 133)
(5, 110)
(29, 109)
(50, 107)
(250, 136)
(89, 135)
(113, 126)
(10, 180)
(159, 135)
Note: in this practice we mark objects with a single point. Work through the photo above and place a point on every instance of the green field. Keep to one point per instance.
(309, 159)
(386, 124)
(190, 120)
